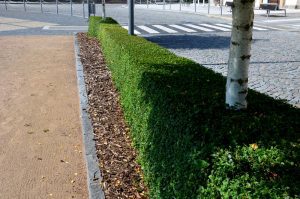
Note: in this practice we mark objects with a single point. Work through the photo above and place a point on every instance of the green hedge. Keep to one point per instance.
(189, 145)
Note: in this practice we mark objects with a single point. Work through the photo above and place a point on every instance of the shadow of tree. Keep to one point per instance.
(199, 41)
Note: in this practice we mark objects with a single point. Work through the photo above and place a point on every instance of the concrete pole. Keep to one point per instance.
(56, 6)
(131, 17)
(71, 5)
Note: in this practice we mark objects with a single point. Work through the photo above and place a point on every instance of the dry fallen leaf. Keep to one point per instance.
(254, 146)
(46, 130)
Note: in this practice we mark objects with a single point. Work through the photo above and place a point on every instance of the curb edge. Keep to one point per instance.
(92, 163)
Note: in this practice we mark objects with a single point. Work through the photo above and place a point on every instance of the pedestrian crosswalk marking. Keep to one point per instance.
(168, 30)
(224, 25)
(199, 27)
(135, 31)
(229, 26)
(183, 28)
(149, 30)
(215, 27)
(189, 28)
(257, 28)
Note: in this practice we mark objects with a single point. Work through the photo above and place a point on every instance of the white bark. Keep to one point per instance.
(103, 9)
(239, 57)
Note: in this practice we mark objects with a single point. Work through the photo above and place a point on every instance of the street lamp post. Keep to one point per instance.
(131, 17)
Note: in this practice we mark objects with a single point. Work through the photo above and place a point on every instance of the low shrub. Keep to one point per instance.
(189, 144)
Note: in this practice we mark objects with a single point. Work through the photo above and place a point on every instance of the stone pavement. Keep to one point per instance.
(40, 133)
(275, 61)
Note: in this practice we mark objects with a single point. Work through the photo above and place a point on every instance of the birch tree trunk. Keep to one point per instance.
(103, 9)
(239, 57)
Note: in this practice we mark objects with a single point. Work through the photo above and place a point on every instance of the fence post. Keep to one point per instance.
(57, 7)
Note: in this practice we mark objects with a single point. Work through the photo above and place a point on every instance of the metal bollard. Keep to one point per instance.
(208, 8)
(164, 7)
(180, 5)
(221, 6)
(56, 6)
(24, 3)
(5, 5)
(131, 17)
(195, 5)
(41, 4)
(71, 5)
(83, 11)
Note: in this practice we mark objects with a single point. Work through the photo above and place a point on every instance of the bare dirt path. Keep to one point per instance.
(40, 133)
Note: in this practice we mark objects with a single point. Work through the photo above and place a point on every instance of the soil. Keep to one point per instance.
(40, 133)
(122, 176)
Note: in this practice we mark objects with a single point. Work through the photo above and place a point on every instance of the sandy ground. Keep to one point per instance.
(40, 133)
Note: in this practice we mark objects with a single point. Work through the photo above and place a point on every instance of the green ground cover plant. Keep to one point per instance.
(189, 144)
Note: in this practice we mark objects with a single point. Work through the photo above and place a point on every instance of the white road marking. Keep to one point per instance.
(257, 28)
(224, 25)
(135, 31)
(281, 20)
(168, 30)
(199, 27)
(183, 28)
(147, 29)
(78, 28)
(215, 27)
(268, 27)
(230, 26)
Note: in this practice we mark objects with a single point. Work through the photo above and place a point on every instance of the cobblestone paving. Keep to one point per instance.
(275, 61)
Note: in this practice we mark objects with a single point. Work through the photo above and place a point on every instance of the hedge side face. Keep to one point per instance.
(189, 145)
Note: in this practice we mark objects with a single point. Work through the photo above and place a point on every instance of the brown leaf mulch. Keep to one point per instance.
(122, 177)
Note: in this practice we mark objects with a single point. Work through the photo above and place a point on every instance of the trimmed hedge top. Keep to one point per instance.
(189, 145)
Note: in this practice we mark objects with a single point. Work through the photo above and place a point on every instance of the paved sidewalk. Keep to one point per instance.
(40, 134)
